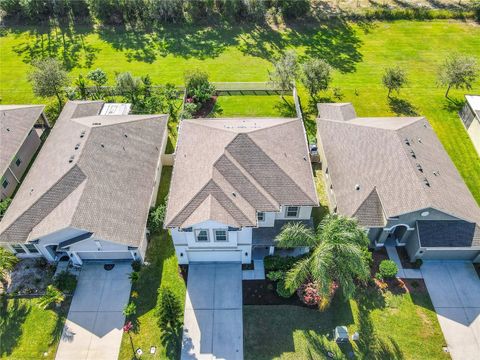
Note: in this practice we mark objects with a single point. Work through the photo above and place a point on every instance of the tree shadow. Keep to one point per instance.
(402, 107)
(322, 347)
(64, 43)
(11, 319)
(262, 41)
(453, 105)
(285, 108)
(57, 331)
(171, 340)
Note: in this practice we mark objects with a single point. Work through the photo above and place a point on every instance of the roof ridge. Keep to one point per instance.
(283, 171)
(147, 117)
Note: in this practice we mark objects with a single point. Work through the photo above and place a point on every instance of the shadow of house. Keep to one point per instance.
(12, 316)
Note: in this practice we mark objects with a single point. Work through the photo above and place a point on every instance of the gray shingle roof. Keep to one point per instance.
(448, 233)
(228, 169)
(94, 173)
(370, 211)
(16, 121)
(402, 158)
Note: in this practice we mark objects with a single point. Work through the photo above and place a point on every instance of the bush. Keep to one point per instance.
(133, 276)
(417, 264)
(198, 87)
(168, 309)
(279, 263)
(156, 218)
(52, 295)
(136, 265)
(189, 109)
(275, 275)
(282, 291)
(388, 269)
(308, 294)
(368, 257)
(130, 309)
(65, 282)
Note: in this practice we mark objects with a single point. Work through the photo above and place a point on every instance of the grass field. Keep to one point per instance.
(400, 327)
(30, 332)
(359, 53)
(163, 271)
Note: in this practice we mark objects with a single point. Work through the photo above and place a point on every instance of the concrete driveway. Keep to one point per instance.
(213, 325)
(93, 329)
(454, 288)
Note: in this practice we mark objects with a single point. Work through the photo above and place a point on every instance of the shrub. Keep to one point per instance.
(275, 275)
(65, 282)
(133, 276)
(189, 109)
(130, 309)
(388, 269)
(156, 218)
(279, 263)
(282, 291)
(198, 87)
(52, 295)
(4, 204)
(308, 294)
(136, 265)
(367, 256)
(168, 309)
(417, 264)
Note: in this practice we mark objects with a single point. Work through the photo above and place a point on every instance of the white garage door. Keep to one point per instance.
(105, 255)
(215, 256)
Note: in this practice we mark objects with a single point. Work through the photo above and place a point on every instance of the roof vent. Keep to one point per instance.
(426, 182)
(77, 146)
(8, 129)
(407, 142)
(412, 153)
(82, 134)
(420, 140)
(419, 167)
(102, 145)
(357, 187)
(96, 123)
(436, 173)
(235, 195)
(71, 158)
(125, 135)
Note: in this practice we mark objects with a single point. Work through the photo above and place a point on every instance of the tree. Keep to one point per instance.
(198, 87)
(336, 254)
(168, 309)
(394, 79)
(4, 204)
(8, 260)
(129, 86)
(48, 79)
(52, 295)
(458, 71)
(285, 72)
(99, 79)
(316, 76)
(156, 218)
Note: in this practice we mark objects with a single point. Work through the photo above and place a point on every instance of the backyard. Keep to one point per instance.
(359, 52)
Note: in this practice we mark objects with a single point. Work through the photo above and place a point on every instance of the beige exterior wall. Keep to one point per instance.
(474, 132)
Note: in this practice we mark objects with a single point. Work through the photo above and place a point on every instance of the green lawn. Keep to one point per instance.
(30, 332)
(359, 54)
(398, 327)
(255, 106)
(162, 271)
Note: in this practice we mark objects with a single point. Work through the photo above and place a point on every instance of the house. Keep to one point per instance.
(88, 194)
(235, 183)
(21, 129)
(395, 177)
(470, 115)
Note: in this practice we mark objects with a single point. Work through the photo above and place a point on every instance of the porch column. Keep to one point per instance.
(271, 250)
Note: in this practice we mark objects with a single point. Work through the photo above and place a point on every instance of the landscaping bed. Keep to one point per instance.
(30, 277)
(405, 259)
(263, 292)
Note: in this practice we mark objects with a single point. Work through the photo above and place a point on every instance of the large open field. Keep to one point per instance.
(358, 52)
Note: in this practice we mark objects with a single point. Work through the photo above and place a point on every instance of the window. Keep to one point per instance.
(18, 249)
(261, 216)
(221, 235)
(201, 235)
(291, 211)
(31, 248)
(18, 161)
(5, 183)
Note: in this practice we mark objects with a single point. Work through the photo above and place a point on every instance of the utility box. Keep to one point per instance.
(341, 334)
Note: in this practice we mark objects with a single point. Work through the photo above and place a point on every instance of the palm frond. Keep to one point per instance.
(295, 234)
(298, 274)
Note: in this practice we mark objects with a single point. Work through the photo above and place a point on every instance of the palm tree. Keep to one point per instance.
(336, 254)
(7, 263)
(52, 295)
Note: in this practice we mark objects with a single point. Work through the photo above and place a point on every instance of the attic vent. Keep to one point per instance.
(96, 123)
(412, 153)
(82, 134)
(419, 167)
(407, 142)
(357, 187)
(426, 182)
(77, 146)
(71, 158)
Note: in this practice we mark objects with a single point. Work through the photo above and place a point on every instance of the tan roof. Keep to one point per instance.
(94, 173)
(228, 169)
(402, 159)
(16, 121)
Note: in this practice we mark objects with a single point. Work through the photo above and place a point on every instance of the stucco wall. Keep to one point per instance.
(474, 132)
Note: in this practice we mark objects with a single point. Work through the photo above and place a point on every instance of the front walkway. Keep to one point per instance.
(454, 288)
(213, 323)
(93, 329)
(402, 273)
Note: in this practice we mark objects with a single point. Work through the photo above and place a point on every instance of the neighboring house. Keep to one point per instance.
(235, 183)
(21, 128)
(470, 115)
(395, 177)
(89, 191)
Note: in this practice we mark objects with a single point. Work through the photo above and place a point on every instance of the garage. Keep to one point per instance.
(449, 254)
(105, 255)
(214, 255)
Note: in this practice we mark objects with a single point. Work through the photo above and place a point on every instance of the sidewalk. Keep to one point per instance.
(402, 273)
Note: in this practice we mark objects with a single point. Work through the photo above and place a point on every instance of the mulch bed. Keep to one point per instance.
(378, 256)
(206, 108)
(263, 292)
(184, 272)
(404, 258)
